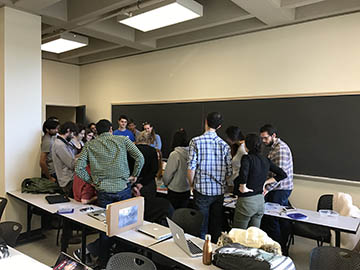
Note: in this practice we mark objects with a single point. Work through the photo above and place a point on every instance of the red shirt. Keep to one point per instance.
(81, 189)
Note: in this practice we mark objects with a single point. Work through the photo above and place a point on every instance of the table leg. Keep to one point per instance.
(337, 238)
(28, 225)
(83, 244)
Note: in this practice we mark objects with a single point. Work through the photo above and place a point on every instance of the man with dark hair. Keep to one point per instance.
(92, 127)
(63, 157)
(280, 155)
(110, 175)
(50, 128)
(132, 127)
(208, 166)
(122, 130)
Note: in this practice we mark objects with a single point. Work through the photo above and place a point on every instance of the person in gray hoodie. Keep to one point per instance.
(176, 171)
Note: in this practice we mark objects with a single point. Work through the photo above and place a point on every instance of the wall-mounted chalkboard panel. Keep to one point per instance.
(166, 119)
(322, 132)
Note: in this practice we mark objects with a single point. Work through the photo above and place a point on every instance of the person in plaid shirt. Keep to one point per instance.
(279, 192)
(208, 166)
(110, 174)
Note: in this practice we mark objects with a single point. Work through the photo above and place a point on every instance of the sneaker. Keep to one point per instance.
(77, 255)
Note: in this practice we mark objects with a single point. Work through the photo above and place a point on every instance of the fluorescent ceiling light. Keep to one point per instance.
(66, 42)
(171, 12)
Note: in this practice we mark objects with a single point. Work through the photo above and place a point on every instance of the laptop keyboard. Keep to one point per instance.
(194, 249)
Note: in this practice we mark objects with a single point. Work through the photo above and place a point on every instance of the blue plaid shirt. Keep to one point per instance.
(210, 157)
(280, 154)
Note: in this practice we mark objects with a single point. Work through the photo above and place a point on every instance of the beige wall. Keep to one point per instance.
(311, 58)
(20, 92)
(60, 84)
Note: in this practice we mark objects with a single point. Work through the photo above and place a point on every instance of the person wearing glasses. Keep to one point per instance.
(280, 155)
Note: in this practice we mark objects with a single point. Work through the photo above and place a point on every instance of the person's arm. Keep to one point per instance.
(279, 173)
(228, 164)
(243, 177)
(172, 166)
(158, 141)
(137, 156)
(192, 163)
(81, 164)
(66, 157)
(154, 161)
(190, 177)
(43, 165)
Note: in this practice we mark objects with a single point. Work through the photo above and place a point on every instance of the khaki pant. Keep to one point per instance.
(249, 211)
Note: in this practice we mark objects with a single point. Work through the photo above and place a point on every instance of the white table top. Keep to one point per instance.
(342, 223)
(39, 200)
(169, 249)
(20, 261)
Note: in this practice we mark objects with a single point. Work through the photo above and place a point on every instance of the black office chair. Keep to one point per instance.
(129, 261)
(10, 231)
(334, 258)
(190, 220)
(320, 234)
(3, 202)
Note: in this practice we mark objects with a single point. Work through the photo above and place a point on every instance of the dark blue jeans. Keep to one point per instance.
(277, 229)
(212, 209)
(105, 198)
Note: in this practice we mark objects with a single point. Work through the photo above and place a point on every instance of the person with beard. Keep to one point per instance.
(278, 192)
(63, 157)
(50, 129)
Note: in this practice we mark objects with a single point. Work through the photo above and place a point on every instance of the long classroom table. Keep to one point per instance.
(167, 248)
(338, 224)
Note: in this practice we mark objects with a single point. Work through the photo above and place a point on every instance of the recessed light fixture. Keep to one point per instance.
(65, 42)
(163, 14)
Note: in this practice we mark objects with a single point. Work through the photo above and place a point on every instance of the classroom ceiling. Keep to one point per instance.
(97, 19)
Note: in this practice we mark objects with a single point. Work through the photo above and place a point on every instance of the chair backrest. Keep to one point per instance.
(333, 258)
(3, 203)
(190, 220)
(10, 231)
(129, 261)
(325, 202)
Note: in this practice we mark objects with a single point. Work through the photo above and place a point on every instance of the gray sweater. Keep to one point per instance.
(176, 170)
(64, 162)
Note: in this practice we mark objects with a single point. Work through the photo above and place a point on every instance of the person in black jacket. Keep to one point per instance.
(250, 184)
(156, 209)
(148, 173)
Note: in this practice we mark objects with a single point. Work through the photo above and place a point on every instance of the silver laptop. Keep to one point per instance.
(99, 215)
(186, 245)
(155, 230)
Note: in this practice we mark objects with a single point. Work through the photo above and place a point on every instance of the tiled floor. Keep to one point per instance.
(46, 251)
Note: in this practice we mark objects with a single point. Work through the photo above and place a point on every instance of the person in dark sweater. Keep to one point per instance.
(156, 209)
(251, 182)
(148, 173)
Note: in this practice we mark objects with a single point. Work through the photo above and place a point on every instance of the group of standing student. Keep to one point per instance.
(212, 165)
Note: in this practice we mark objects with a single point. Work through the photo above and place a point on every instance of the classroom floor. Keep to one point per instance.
(46, 251)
